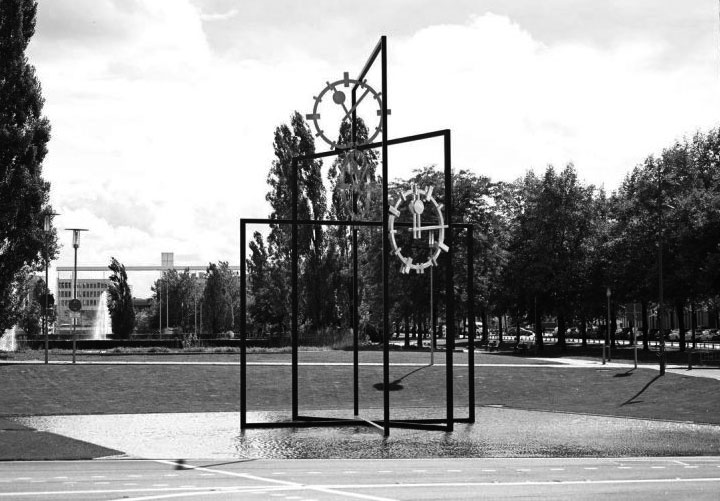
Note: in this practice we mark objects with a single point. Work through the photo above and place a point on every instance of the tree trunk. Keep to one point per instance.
(561, 331)
(680, 312)
(484, 317)
(613, 326)
(500, 328)
(407, 331)
(583, 331)
(538, 323)
(693, 323)
(419, 330)
(645, 328)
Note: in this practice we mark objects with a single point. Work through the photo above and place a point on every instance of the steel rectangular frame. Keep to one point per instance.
(428, 424)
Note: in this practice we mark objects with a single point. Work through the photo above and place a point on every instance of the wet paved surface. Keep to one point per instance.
(497, 432)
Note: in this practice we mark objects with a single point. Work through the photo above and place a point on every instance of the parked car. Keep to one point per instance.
(704, 336)
(512, 330)
(675, 335)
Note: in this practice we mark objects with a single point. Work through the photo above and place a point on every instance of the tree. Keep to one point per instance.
(219, 298)
(120, 301)
(177, 293)
(24, 134)
(31, 305)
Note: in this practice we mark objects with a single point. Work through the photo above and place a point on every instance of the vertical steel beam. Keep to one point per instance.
(355, 323)
(450, 289)
(243, 329)
(385, 242)
(294, 287)
(471, 316)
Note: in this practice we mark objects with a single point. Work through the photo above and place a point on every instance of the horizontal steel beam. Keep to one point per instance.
(141, 268)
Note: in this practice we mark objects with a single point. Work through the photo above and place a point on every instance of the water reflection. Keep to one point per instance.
(498, 432)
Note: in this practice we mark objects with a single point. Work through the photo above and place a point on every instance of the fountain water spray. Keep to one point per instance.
(102, 325)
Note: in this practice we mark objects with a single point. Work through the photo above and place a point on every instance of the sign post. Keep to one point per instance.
(75, 307)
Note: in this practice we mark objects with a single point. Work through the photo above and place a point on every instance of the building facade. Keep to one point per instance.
(89, 292)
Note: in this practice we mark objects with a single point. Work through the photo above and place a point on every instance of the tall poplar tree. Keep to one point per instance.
(24, 134)
(120, 301)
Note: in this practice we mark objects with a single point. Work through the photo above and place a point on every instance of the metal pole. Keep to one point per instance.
(355, 322)
(47, 292)
(294, 288)
(607, 334)
(471, 314)
(243, 331)
(634, 335)
(660, 275)
(160, 306)
(167, 304)
(450, 287)
(385, 243)
(432, 324)
(74, 334)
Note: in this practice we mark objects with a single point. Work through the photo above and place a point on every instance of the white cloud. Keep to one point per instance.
(160, 144)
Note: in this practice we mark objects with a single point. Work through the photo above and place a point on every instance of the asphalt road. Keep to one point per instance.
(694, 478)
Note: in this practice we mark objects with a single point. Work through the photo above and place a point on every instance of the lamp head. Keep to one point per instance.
(76, 236)
(47, 224)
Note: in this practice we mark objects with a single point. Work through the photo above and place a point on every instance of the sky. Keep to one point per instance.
(163, 111)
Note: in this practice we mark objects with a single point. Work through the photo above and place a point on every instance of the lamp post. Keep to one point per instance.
(606, 345)
(75, 305)
(47, 227)
(661, 354)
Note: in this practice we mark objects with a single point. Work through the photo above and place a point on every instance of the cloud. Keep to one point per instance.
(223, 16)
(161, 142)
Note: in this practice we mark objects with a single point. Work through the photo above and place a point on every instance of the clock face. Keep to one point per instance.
(334, 104)
(417, 245)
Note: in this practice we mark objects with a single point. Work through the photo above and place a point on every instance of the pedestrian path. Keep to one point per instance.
(712, 373)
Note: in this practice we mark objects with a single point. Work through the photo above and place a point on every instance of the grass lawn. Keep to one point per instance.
(110, 389)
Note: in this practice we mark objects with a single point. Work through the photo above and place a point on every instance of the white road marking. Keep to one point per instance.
(349, 472)
(557, 469)
(624, 467)
(101, 483)
(98, 476)
(419, 471)
(590, 468)
(657, 467)
(523, 469)
(454, 471)
(384, 471)
(23, 478)
(488, 470)
(524, 483)
(278, 473)
(687, 467)
(320, 488)
(60, 478)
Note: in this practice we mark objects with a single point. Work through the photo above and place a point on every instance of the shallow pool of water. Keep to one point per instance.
(498, 432)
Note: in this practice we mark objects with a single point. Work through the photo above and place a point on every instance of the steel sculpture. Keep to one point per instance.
(442, 241)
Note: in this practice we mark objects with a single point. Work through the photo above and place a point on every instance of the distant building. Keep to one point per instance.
(89, 292)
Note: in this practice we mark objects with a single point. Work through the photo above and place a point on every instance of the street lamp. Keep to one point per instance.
(47, 227)
(606, 344)
(75, 305)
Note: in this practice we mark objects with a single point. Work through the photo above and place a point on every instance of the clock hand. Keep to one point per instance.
(347, 113)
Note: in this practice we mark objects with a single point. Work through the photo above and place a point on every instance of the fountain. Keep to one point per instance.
(7, 340)
(101, 326)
